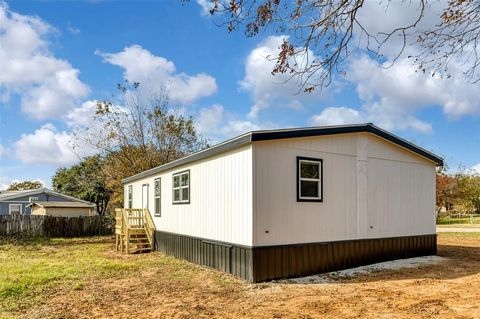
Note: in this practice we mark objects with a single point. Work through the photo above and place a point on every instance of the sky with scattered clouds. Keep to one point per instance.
(57, 58)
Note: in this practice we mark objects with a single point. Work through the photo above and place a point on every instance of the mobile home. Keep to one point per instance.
(292, 202)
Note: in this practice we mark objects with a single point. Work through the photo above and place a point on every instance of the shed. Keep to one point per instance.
(62, 209)
(281, 203)
(17, 202)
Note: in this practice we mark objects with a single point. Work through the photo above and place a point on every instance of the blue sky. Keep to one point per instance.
(58, 57)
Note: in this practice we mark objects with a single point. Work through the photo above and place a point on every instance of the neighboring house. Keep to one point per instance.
(17, 202)
(282, 203)
(63, 209)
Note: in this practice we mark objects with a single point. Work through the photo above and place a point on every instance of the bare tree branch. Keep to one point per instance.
(321, 33)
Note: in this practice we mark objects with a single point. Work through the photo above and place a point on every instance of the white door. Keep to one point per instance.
(145, 196)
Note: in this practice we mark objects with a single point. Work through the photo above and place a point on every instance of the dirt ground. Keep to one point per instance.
(450, 289)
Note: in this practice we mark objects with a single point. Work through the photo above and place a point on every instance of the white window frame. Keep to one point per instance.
(157, 208)
(10, 208)
(319, 180)
(180, 188)
(130, 196)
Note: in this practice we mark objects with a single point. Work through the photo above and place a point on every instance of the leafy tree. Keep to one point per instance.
(86, 181)
(324, 33)
(143, 133)
(469, 192)
(458, 192)
(446, 191)
(25, 185)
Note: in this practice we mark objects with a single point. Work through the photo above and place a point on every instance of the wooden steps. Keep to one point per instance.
(134, 230)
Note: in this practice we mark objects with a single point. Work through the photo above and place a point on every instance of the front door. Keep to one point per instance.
(145, 196)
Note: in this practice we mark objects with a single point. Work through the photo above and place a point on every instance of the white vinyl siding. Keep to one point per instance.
(371, 189)
(220, 198)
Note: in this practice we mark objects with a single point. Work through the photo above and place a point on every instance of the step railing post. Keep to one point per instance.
(127, 242)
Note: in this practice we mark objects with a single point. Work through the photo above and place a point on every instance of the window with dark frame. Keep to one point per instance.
(309, 179)
(130, 196)
(181, 187)
(157, 194)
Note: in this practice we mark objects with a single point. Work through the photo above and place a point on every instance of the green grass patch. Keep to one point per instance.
(33, 270)
(30, 266)
(457, 221)
(460, 226)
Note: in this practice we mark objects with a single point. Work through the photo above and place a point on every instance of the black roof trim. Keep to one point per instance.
(343, 129)
(266, 135)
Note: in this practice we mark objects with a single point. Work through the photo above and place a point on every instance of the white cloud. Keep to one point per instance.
(82, 115)
(237, 127)
(73, 30)
(48, 146)
(210, 118)
(336, 116)
(401, 86)
(476, 168)
(392, 95)
(156, 73)
(48, 86)
(269, 90)
(395, 14)
(5, 181)
(206, 6)
(218, 124)
(389, 121)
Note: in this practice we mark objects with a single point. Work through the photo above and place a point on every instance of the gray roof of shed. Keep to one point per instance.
(264, 135)
(62, 204)
(11, 195)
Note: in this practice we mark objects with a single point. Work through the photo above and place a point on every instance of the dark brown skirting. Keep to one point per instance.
(285, 261)
(272, 262)
(230, 258)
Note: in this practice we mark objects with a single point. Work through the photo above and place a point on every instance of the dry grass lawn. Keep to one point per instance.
(85, 278)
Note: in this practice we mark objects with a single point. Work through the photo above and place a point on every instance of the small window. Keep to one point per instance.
(15, 209)
(157, 190)
(309, 179)
(130, 196)
(33, 199)
(181, 187)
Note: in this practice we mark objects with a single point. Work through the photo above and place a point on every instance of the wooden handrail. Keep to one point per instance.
(149, 224)
(135, 218)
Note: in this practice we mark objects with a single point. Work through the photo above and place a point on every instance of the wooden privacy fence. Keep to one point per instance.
(52, 226)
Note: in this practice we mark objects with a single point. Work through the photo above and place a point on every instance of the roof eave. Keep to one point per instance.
(265, 135)
(214, 150)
